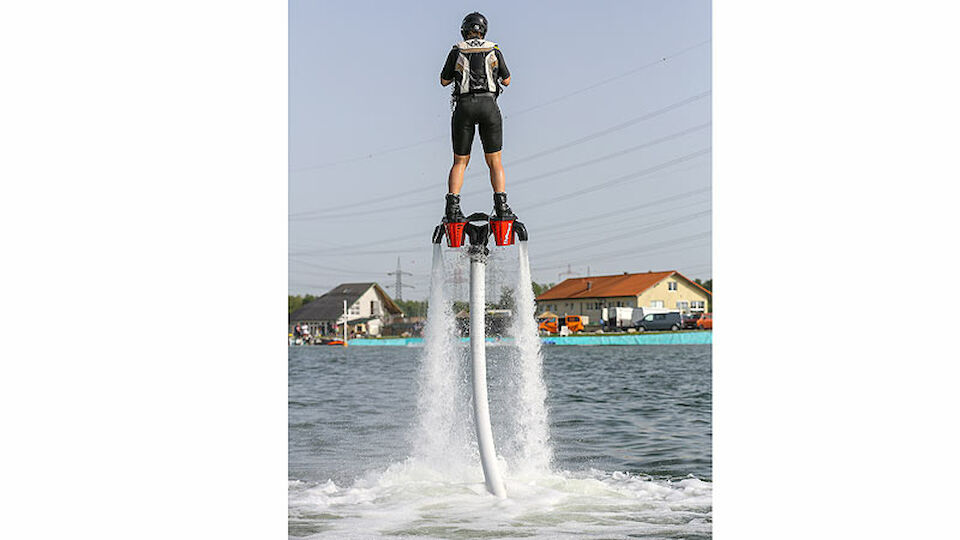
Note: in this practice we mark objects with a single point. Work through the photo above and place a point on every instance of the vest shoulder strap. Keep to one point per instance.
(475, 45)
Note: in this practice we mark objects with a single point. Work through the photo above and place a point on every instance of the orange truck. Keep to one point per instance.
(553, 324)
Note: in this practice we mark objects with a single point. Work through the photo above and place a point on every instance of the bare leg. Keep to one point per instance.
(455, 180)
(497, 178)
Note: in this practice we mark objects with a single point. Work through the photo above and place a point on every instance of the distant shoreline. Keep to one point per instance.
(645, 338)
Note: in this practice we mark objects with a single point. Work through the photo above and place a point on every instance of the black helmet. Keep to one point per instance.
(474, 22)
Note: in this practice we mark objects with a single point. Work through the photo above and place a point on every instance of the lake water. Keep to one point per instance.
(629, 431)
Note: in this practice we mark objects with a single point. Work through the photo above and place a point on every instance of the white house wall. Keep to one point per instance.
(361, 308)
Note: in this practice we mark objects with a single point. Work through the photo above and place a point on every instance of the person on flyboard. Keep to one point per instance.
(478, 72)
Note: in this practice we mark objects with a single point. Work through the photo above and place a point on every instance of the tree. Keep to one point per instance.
(506, 301)
(540, 288)
(296, 302)
(413, 308)
(459, 306)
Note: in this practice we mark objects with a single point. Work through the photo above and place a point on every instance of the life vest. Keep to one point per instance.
(476, 67)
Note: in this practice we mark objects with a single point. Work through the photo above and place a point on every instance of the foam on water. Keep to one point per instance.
(410, 500)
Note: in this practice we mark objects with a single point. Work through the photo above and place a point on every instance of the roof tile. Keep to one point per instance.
(607, 286)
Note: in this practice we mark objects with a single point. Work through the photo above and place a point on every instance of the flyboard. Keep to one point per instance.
(477, 230)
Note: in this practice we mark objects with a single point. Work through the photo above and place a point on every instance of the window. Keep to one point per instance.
(696, 304)
(683, 305)
(656, 303)
(355, 309)
(373, 307)
(672, 286)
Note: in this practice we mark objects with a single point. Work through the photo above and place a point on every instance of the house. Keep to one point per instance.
(589, 295)
(368, 309)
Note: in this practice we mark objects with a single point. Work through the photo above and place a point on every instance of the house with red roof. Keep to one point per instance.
(589, 295)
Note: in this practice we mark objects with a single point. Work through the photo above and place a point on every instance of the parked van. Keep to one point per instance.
(574, 323)
(660, 321)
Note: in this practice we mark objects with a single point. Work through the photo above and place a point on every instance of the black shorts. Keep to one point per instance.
(480, 110)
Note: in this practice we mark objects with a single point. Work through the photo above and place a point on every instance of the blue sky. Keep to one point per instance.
(607, 136)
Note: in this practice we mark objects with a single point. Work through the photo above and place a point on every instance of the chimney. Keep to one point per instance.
(589, 285)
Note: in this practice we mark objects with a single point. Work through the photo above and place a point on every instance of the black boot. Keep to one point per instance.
(500, 208)
(453, 212)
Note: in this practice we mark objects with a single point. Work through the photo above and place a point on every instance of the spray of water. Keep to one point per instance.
(532, 430)
(442, 438)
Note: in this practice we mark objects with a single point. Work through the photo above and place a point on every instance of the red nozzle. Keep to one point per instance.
(502, 231)
(455, 234)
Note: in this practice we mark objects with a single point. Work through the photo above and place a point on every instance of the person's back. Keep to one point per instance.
(479, 72)
(476, 66)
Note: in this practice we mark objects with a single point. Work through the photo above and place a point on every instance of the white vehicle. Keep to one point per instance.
(619, 318)
(622, 318)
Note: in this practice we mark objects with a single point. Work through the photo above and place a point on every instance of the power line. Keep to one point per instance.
(301, 285)
(691, 269)
(309, 214)
(569, 272)
(620, 253)
(619, 153)
(396, 239)
(631, 176)
(610, 80)
(646, 253)
(658, 252)
(511, 114)
(604, 185)
(641, 230)
(329, 268)
(618, 127)
(632, 208)
(561, 230)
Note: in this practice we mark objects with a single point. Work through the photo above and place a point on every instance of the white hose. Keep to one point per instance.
(481, 408)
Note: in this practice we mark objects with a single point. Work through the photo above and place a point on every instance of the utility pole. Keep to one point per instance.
(569, 272)
(398, 287)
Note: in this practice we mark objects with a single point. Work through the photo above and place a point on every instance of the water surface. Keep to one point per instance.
(630, 431)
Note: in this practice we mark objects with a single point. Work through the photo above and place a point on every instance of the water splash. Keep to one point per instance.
(406, 502)
(529, 418)
(442, 438)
